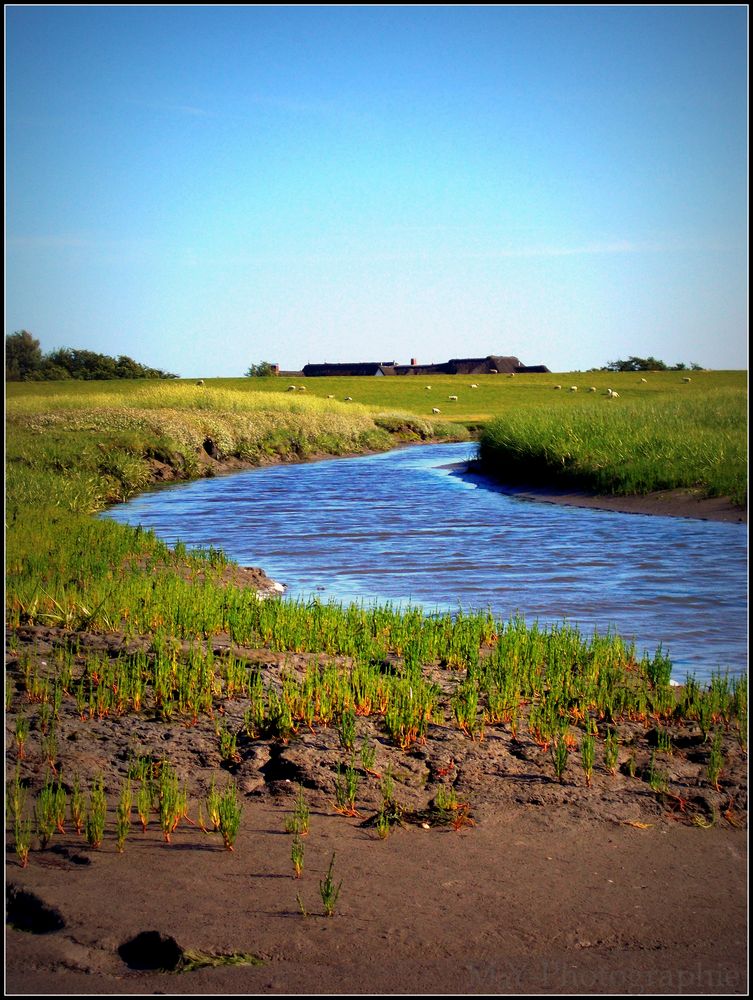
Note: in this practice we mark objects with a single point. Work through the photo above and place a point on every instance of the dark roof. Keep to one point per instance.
(455, 366)
(355, 368)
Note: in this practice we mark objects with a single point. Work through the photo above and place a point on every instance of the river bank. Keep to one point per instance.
(528, 883)
(664, 503)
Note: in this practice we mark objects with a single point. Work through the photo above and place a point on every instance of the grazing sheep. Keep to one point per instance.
(291, 388)
(573, 388)
(558, 387)
(644, 380)
(435, 410)
(454, 398)
(592, 388)
(612, 394)
(330, 397)
(474, 386)
(512, 374)
(427, 387)
(686, 379)
(301, 388)
(493, 371)
(348, 399)
(200, 382)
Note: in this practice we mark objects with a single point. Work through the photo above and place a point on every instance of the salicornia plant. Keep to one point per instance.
(329, 891)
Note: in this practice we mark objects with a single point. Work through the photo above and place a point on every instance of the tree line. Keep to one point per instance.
(25, 362)
(633, 364)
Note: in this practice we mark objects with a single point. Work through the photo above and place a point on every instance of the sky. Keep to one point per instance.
(204, 188)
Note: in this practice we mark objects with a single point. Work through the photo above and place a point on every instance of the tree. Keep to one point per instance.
(634, 364)
(25, 361)
(23, 357)
(262, 370)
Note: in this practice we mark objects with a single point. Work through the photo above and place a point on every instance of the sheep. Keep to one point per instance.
(348, 399)
(427, 387)
(330, 397)
(573, 388)
(474, 386)
(493, 371)
(200, 382)
(434, 409)
(454, 398)
(644, 380)
(592, 388)
(512, 374)
(611, 394)
(558, 387)
(686, 379)
(292, 388)
(301, 388)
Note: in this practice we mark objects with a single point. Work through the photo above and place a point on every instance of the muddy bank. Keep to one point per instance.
(666, 503)
(527, 884)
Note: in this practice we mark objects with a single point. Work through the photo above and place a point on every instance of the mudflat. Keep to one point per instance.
(525, 883)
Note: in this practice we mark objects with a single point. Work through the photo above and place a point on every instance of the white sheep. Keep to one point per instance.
(493, 371)
(686, 379)
(558, 387)
(435, 410)
(292, 388)
(454, 398)
(330, 397)
(644, 380)
(427, 387)
(612, 394)
(474, 386)
(200, 382)
(573, 388)
(592, 388)
(348, 399)
(301, 388)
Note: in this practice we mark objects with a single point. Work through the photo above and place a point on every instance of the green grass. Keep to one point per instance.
(693, 439)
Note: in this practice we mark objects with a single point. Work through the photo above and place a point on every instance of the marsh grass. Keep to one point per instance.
(328, 891)
(123, 815)
(297, 851)
(229, 812)
(299, 821)
(96, 813)
(695, 442)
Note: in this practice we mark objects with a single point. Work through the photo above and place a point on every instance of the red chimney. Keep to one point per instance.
(413, 362)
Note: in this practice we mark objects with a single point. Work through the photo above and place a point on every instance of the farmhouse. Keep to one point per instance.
(492, 364)
(355, 368)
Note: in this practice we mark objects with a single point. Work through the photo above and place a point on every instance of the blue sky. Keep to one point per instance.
(204, 188)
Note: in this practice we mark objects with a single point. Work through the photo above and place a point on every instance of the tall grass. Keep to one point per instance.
(696, 442)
